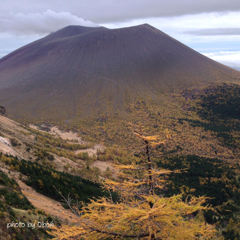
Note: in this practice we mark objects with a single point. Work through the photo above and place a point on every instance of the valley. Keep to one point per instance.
(194, 141)
(112, 133)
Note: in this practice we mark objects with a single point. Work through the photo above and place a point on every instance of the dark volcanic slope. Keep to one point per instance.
(81, 70)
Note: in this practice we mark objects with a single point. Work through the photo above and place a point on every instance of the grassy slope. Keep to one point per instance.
(14, 207)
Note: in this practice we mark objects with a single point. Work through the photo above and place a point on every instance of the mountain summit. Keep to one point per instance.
(78, 71)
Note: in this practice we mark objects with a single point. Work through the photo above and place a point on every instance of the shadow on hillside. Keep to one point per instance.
(219, 110)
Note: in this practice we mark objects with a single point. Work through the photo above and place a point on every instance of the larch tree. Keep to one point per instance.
(141, 212)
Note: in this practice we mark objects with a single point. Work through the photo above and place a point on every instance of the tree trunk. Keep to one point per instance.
(149, 167)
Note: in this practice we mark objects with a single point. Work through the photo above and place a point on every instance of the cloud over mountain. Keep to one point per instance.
(40, 23)
(115, 10)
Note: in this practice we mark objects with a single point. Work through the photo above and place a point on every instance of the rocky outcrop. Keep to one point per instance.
(2, 110)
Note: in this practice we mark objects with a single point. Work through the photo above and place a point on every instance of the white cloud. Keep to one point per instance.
(106, 11)
(229, 58)
(39, 23)
(182, 24)
(215, 32)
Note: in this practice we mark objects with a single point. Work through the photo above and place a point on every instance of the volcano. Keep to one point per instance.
(82, 71)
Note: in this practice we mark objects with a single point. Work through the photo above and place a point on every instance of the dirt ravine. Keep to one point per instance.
(41, 202)
(6, 147)
(55, 131)
(92, 151)
(73, 137)
(46, 204)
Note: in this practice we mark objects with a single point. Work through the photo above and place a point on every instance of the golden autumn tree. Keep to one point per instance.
(140, 212)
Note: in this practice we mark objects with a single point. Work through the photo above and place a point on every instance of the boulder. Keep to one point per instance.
(2, 110)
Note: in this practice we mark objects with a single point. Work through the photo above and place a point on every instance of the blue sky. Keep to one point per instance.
(211, 27)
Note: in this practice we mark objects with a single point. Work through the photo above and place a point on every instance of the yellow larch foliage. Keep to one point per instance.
(168, 218)
(139, 213)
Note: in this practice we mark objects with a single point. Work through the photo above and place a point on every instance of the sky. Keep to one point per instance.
(211, 27)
